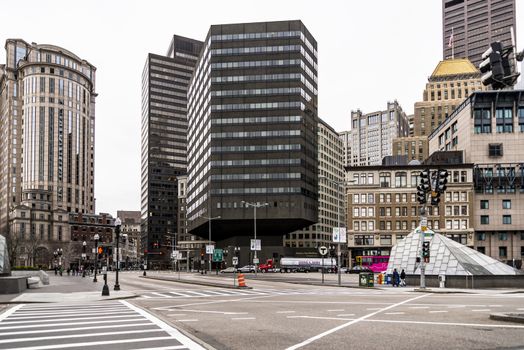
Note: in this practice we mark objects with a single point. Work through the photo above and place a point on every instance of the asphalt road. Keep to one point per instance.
(271, 315)
(275, 315)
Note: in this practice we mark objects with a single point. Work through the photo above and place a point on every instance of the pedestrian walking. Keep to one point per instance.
(395, 278)
(403, 278)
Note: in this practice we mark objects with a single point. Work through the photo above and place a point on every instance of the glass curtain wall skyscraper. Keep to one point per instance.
(164, 130)
(253, 131)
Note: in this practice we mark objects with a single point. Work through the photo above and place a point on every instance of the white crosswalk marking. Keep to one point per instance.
(101, 325)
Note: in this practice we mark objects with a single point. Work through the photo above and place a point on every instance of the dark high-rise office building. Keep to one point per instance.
(164, 128)
(475, 24)
(253, 132)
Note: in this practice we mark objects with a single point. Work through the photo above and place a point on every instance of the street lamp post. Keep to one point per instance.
(118, 223)
(338, 183)
(210, 254)
(59, 250)
(255, 205)
(84, 243)
(96, 237)
(55, 254)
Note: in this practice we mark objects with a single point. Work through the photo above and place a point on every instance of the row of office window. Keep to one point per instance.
(252, 134)
(503, 118)
(506, 219)
(257, 120)
(506, 204)
(256, 190)
(401, 178)
(256, 148)
(501, 236)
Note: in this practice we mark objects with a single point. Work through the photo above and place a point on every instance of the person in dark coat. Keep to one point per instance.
(396, 278)
(403, 278)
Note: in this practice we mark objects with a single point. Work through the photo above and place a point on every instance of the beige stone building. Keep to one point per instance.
(489, 128)
(331, 202)
(47, 112)
(382, 207)
(449, 84)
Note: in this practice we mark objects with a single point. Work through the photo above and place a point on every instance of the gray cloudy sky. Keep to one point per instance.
(370, 52)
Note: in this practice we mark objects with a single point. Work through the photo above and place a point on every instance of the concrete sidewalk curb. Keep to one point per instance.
(508, 317)
(202, 283)
(441, 291)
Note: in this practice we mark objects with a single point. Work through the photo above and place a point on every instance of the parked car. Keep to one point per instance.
(247, 268)
(229, 270)
(358, 269)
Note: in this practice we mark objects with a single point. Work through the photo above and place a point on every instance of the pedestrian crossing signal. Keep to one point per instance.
(100, 250)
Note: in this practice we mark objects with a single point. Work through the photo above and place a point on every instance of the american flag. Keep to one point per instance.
(450, 43)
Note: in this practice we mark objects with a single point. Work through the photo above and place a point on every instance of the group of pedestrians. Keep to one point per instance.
(399, 280)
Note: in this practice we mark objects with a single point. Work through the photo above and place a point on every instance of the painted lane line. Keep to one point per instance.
(197, 293)
(418, 307)
(480, 310)
(173, 315)
(17, 317)
(335, 310)
(10, 311)
(82, 335)
(76, 329)
(346, 315)
(394, 313)
(73, 323)
(520, 309)
(215, 312)
(161, 295)
(167, 328)
(66, 305)
(179, 294)
(145, 297)
(177, 307)
(373, 308)
(321, 335)
(243, 318)
(188, 320)
(286, 312)
(97, 343)
(437, 311)
(63, 312)
(495, 305)
(217, 293)
(7, 322)
(174, 347)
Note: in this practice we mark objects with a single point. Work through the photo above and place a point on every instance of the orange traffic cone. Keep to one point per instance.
(241, 280)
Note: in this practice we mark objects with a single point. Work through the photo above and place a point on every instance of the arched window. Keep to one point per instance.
(385, 179)
(401, 179)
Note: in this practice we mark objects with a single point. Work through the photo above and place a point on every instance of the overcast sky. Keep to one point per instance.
(370, 52)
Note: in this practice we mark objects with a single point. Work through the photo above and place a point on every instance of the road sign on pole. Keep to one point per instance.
(256, 244)
(217, 255)
(235, 261)
(210, 248)
(339, 235)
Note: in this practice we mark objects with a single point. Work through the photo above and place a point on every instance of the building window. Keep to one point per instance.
(503, 252)
(506, 219)
(495, 150)
(401, 179)
(521, 119)
(484, 204)
(481, 250)
(504, 117)
(385, 179)
(385, 240)
(482, 117)
(506, 204)
(481, 236)
(364, 240)
(503, 236)
(484, 219)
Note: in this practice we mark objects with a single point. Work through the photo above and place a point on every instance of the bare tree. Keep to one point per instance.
(14, 241)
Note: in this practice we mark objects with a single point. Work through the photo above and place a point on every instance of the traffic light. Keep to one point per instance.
(442, 180)
(421, 195)
(491, 66)
(424, 187)
(425, 249)
(435, 198)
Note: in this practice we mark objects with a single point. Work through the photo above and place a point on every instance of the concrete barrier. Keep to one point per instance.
(33, 282)
(472, 282)
(44, 277)
(13, 284)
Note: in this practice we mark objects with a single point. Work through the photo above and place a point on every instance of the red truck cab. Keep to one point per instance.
(268, 266)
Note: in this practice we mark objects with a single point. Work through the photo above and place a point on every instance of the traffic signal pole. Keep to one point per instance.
(423, 221)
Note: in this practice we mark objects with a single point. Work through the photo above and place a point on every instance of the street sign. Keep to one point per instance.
(235, 261)
(323, 250)
(256, 244)
(210, 248)
(217, 255)
(339, 235)
(256, 261)
(424, 223)
(176, 255)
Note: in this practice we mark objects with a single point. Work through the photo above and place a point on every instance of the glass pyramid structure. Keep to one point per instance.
(446, 257)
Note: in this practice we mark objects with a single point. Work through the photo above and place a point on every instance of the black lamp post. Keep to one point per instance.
(55, 254)
(118, 223)
(96, 237)
(59, 250)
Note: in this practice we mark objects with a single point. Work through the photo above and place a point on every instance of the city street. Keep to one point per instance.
(270, 315)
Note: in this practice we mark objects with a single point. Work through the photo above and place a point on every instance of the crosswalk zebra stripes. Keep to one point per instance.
(200, 293)
(103, 325)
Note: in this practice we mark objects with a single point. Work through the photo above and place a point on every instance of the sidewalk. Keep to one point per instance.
(66, 289)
